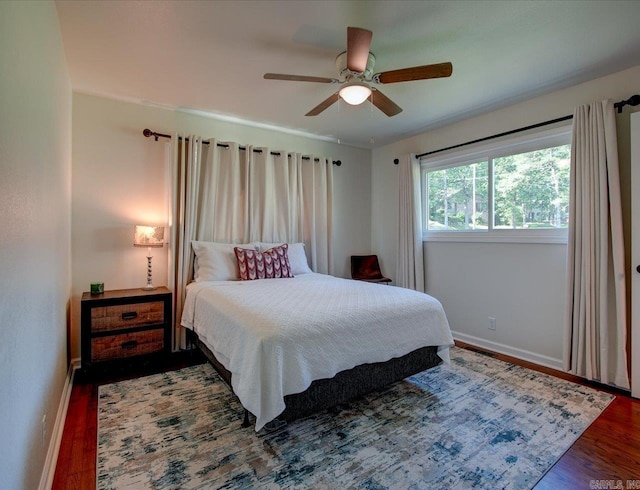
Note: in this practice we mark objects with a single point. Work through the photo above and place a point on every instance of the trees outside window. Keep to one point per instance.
(516, 186)
(458, 197)
(531, 190)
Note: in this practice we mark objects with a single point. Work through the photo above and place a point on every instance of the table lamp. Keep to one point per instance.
(148, 236)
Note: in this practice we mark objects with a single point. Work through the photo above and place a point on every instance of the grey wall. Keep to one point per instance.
(35, 196)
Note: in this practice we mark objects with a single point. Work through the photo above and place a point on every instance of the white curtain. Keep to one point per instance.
(254, 195)
(595, 342)
(315, 184)
(224, 210)
(409, 260)
(186, 162)
(222, 193)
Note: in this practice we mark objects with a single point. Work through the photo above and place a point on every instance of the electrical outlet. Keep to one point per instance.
(44, 430)
(492, 323)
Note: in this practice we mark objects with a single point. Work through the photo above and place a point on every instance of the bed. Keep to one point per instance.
(291, 346)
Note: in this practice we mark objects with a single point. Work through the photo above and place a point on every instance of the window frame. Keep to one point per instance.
(557, 136)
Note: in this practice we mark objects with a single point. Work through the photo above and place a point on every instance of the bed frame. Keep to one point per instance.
(326, 393)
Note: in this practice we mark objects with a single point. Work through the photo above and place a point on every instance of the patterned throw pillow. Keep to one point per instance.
(270, 264)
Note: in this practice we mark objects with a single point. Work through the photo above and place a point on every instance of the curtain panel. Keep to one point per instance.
(228, 194)
(596, 325)
(410, 255)
(186, 159)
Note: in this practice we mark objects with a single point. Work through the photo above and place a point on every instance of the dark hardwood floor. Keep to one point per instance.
(608, 452)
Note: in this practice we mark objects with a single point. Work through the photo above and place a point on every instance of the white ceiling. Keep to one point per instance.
(211, 56)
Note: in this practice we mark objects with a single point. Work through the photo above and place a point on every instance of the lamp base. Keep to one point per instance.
(149, 286)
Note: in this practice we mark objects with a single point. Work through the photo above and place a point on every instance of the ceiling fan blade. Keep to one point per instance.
(298, 78)
(384, 103)
(439, 70)
(358, 44)
(323, 105)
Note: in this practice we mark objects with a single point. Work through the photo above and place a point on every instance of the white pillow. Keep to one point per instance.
(297, 256)
(216, 261)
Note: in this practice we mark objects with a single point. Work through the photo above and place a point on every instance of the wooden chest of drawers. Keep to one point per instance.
(125, 325)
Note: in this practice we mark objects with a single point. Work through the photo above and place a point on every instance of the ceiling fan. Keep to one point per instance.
(355, 66)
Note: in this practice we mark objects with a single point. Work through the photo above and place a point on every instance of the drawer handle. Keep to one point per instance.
(129, 344)
(129, 315)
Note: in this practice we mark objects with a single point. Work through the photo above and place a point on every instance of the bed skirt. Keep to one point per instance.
(326, 393)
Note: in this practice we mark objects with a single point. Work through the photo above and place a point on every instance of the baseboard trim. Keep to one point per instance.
(49, 470)
(522, 354)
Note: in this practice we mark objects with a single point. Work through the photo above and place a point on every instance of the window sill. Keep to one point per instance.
(501, 236)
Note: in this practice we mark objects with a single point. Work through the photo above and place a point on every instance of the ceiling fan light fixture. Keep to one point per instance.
(355, 93)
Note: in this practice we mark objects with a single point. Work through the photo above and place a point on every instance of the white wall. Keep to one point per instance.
(521, 285)
(35, 196)
(119, 180)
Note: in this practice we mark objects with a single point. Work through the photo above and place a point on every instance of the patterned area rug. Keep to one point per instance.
(477, 423)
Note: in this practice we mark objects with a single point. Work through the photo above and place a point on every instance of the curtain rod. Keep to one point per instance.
(632, 101)
(148, 133)
(506, 133)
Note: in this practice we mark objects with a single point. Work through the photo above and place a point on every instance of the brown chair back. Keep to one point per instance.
(367, 268)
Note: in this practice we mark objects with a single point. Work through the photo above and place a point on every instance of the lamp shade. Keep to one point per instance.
(355, 93)
(148, 236)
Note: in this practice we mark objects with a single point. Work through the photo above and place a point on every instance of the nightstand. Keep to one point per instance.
(125, 325)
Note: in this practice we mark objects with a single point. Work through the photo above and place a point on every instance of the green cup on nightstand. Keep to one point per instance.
(97, 287)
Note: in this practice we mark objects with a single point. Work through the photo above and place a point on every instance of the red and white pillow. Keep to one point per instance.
(270, 264)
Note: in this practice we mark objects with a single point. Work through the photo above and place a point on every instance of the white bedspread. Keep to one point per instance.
(276, 336)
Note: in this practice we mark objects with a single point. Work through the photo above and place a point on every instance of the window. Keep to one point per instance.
(509, 191)
(458, 197)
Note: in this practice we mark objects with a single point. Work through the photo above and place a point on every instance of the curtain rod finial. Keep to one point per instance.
(148, 132)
